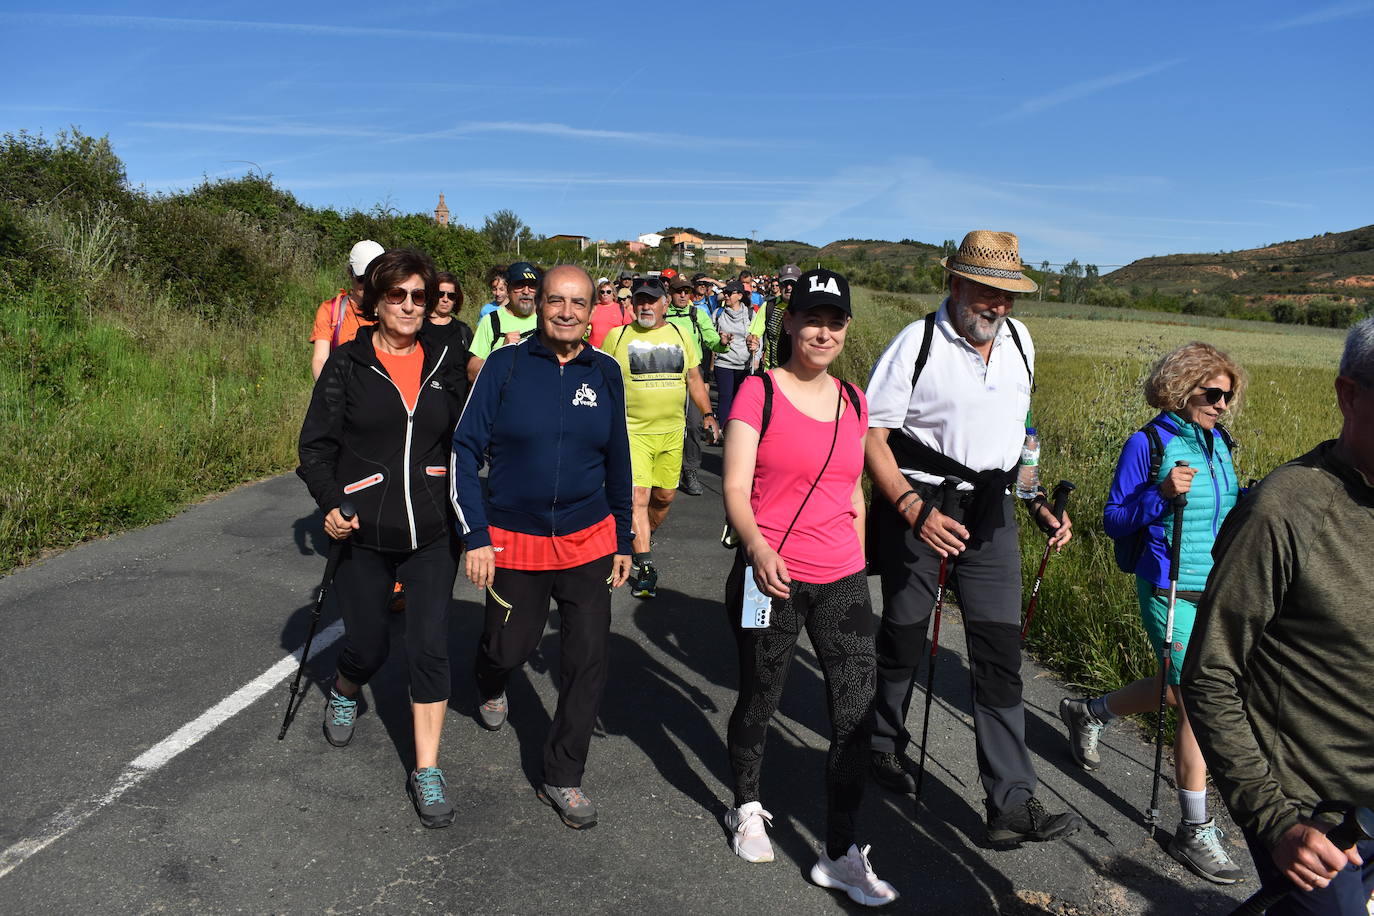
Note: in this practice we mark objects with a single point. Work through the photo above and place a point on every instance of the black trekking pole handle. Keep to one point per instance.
(1357, 826)
(1061, 499)
(331, 566)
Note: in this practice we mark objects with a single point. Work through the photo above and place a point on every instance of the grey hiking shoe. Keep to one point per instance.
(1084, 730)
(572, 805)
(1030, 822)
(1198, 847)
(690, 484)
(493, 712)
(340, 714)
(429, 791)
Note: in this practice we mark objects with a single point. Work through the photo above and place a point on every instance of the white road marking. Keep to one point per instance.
(157, 756)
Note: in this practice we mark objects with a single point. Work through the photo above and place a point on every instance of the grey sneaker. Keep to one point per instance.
(340, 714)
(572, 805)
(1084, 730)
(493, 712)
(1198, 847)
(429, 791)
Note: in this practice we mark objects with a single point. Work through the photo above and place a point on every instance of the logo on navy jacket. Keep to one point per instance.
(585, 396)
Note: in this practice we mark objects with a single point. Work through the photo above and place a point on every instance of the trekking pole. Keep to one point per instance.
(930, 674)
(1061, 497)
(347, 511)
(1357, 826)
(1166, 654)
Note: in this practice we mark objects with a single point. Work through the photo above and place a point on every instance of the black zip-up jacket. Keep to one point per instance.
(360, 442)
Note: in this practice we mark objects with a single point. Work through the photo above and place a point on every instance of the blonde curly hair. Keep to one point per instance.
(1173, 379)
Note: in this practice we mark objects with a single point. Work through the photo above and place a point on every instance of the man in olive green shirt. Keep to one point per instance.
(1279, 676)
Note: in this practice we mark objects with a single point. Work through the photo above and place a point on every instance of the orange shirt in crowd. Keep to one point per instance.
(350, 319)
(405, 372)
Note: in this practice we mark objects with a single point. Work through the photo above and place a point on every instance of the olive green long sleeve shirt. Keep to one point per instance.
(1279, 677)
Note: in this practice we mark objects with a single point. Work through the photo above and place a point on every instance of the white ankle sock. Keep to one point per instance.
(1193, 804)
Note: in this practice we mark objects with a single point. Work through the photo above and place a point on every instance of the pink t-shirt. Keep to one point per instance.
(823, 546)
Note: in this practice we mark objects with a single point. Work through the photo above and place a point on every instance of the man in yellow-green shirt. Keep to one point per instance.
(659, 364)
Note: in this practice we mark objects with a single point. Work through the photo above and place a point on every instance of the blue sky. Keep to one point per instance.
(1100, 131)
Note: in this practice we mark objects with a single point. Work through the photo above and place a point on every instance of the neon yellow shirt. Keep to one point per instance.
(483, 340)
(655, 366)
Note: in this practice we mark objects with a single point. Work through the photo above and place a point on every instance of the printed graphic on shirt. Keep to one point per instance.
(585, 396)
(656, 365)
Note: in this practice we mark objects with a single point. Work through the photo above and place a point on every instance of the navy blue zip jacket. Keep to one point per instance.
(360, 442)
(556, 440)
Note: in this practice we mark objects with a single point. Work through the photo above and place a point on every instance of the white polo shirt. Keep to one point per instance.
(966, 409)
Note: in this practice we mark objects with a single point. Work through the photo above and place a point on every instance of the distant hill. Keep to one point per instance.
(1334, 264)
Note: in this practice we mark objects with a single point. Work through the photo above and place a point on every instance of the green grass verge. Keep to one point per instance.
(120, 419)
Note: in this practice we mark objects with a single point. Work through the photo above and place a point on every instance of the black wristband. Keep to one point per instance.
(709, 415)
(926, 509)
(900, 499)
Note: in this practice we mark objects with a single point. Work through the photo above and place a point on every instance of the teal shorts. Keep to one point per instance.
(1154, 614)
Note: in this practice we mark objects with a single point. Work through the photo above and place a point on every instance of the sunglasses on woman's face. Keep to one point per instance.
(607, 292)
(445, 294)
(396, 295)
(1213, 395)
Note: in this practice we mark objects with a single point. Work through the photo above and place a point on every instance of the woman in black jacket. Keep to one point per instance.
(378, 434)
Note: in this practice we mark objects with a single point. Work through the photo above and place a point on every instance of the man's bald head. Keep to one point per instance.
(564, 273)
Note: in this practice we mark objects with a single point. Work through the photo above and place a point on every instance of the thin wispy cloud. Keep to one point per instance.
(268, 129)
(501, 179)
(569, 132)
(1322, 16)
(318, 30)
(1286, 204)
(1076, 91)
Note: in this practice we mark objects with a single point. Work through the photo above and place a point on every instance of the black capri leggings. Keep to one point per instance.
(363, 588)
(839, 618)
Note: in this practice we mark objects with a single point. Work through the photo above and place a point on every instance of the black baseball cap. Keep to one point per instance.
(652, 286)
(522, 273)
(821, 287)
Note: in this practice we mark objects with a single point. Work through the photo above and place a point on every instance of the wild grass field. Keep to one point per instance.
(1088, 400)
(119, 418)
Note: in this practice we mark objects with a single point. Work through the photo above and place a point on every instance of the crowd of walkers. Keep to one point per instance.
(541, 451)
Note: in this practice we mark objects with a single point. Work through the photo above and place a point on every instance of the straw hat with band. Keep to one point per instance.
(992, 259)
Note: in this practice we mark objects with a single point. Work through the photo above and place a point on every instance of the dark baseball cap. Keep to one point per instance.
(522, 273)
(650, 287)
(679, 282)
(700, 278)
(789, 272)
(821, 287)
(734, 286)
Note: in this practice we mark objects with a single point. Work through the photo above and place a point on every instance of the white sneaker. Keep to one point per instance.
(748, 836)
(853, 875)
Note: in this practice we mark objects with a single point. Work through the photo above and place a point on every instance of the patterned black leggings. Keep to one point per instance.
(839, 618)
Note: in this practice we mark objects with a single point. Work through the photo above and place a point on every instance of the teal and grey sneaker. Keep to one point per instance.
(340, 713)
(571, 803)
(429, 792)
(644, 581)
(1198, 847)
(1084, 730)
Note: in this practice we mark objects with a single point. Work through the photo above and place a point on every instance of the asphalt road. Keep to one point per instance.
(111, 649)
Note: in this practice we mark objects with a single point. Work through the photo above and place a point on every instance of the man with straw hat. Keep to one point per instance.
(948, 404)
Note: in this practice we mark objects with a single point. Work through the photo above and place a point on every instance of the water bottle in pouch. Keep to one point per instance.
(1028, 469)
(758, 607)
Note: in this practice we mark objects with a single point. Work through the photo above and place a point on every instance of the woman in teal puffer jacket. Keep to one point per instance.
(1193, 387)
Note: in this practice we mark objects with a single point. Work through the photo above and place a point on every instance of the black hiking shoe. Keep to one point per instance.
(644, 581)
(429, 792)
(1029, 822)
(892, 772)
(690, 484)
(340, 715)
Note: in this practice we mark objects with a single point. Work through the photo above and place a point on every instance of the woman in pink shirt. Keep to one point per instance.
(793, 458)
(607, 313)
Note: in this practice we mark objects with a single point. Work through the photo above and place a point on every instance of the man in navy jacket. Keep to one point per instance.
(548, 416)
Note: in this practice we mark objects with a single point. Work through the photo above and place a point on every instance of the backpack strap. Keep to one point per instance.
(924, 355)
(1156, 449)
(495, 325)
(338, 319)
(1016, 339)
(767, 380)
(1226, 437)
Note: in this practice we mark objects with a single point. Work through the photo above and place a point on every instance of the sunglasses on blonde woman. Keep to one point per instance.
(396, 295)
(1214, 395)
